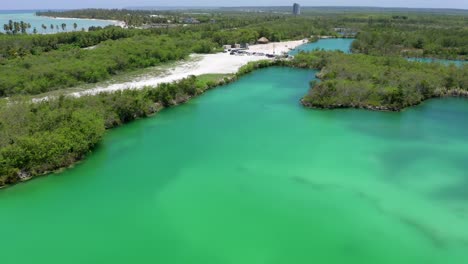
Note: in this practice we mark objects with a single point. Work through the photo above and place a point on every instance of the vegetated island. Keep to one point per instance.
(377, 82)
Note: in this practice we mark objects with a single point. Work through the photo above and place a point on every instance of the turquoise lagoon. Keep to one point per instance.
(244, 174)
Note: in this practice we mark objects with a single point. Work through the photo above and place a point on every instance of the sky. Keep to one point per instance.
(61, 4)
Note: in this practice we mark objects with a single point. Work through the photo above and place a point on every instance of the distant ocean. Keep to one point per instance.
(29, 16)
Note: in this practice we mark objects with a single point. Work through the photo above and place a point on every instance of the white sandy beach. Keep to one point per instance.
(114, 22)
(201, 64)
(276, 47)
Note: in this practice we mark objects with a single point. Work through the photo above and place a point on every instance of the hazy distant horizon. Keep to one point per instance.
(56, 4)
(219, 7)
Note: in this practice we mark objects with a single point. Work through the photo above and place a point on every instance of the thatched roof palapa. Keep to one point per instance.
(263, 40)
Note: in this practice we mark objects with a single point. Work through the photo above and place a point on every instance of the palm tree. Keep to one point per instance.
(35, 30)
(10, 25)
(52, 27)
(75, 26)
(44, 28)
(6, 28)
(64, 26)
(23, 26)
(16, 27)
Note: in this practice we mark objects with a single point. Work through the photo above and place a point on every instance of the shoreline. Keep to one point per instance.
(200, 64)
(254, 65)
(119, 23)
(453, 93)
(197, 64)
(28, 177)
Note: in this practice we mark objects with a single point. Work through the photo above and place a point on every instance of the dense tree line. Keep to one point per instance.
(42, 63)
(226, 30)
(36, 138)
(23, 45)
(434, 42)
(70, 67)
(378, 82)
(282, 29)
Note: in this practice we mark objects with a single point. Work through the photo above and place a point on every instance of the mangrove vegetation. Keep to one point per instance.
(37, 138)
(378, 82)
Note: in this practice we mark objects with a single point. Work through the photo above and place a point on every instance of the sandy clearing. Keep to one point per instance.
(198, 65)
(277, 47)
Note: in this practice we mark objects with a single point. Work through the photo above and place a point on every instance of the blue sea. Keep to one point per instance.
(29, 16)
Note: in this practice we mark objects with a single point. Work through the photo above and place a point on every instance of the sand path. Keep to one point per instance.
(198, 65)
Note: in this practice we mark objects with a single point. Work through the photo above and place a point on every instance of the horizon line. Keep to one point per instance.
(241, 6)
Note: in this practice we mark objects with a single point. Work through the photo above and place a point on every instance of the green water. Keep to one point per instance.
(344, 45)
(325, 44)
(245, 175)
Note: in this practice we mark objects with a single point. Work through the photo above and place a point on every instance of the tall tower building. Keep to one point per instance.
(296, 9)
